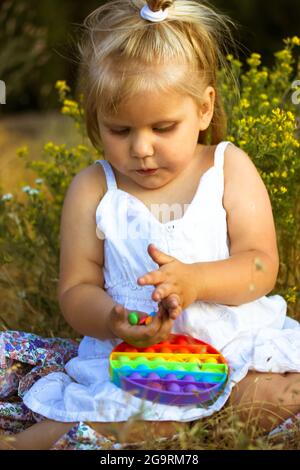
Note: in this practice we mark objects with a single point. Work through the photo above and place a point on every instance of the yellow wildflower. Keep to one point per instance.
(284, 55)
(291, 295)
(82, 148)
(62, 86)
(49, 146)
(255, 60)
(70, 103)
(290, 115)
(296, 41)
(277, 112)
(244, 103)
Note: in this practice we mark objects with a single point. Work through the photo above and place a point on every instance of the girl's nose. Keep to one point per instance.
(142, 146)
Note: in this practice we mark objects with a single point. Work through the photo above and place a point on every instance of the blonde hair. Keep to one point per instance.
(119, 51)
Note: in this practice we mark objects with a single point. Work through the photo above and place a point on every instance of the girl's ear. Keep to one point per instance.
(206, 110)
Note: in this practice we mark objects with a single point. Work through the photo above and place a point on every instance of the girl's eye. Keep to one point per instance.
(118, 132)
(124, 131)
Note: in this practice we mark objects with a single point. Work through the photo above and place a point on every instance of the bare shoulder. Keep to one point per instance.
(92, 179)
(247, 203)
(81, 251)
(238, 164)
(86, 190)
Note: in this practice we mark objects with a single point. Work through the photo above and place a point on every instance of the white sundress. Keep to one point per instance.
(253, 336)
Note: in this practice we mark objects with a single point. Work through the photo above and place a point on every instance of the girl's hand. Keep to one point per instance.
(140, 336)
(173, 278)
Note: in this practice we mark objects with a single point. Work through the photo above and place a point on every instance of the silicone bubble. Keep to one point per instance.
(180, 371)
(153, 376)
(135, 376)
(173, 387)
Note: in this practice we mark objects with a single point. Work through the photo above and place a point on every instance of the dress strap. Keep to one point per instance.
(219, 154)
(109, 174)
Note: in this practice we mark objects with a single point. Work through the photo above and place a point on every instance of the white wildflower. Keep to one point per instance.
(33, 192)
(7, 197)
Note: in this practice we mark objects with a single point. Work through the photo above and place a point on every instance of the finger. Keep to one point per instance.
(173, 301)
(164, 331)
(163, 312)
(162, 291)
(119, 309)
(159, 256)
(154, 326)
(118, 320)
(152, 278)
(120, 312)
(173, 306)
(174, 313)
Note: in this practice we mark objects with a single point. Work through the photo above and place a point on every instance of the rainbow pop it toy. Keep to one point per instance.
(181, 371)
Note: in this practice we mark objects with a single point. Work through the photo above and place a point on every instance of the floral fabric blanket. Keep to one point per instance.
(24, 358)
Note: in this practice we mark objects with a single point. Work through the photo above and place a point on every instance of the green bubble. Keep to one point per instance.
(193, 367)
(140, 360)
(179, 367)
(124, 360)
(210, 369)
(155, 363)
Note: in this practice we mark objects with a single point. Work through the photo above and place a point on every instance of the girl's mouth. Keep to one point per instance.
(146, 172)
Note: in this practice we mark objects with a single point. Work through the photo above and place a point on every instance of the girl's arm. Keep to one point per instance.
(252, 269)
(82, 298)
(86, 308)
(242, 278)
(83, 301)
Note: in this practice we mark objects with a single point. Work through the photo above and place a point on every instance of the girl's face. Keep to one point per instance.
(155, 132)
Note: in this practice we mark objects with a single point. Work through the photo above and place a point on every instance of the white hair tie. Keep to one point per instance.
(154, 16)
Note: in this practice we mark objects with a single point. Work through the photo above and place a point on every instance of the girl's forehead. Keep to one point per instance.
(152, 108)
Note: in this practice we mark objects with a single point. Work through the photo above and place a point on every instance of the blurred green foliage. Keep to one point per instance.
(265, 123)
(23, 50)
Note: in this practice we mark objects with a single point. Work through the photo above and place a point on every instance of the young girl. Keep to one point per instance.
(174, 219)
